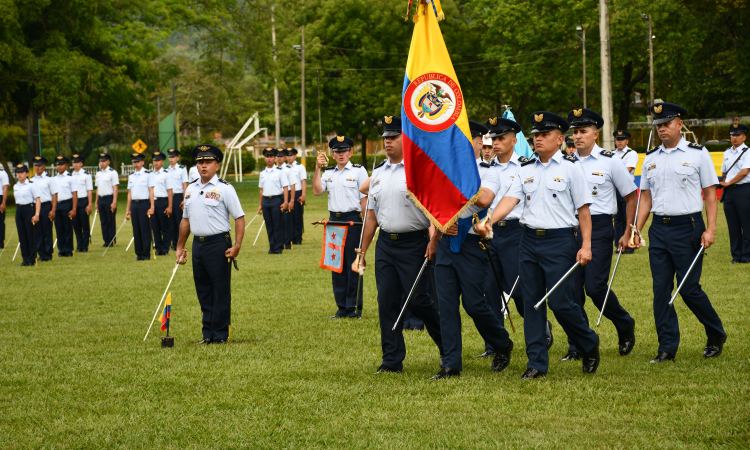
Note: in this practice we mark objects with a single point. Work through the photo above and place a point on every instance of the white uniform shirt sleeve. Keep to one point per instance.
(579, 187)
(115, 178)
(725, 163)
(169, 184)
(291, 176)
(491, 179)
(89, 183)
(151, 179)
(631, 160)
(35, 191)
(515, 190)
(233, 202)
(4, 180)
(745, 162)
(186, 209)
(53, 189)
(184, 178)
(645, 185)
(284, 179)
(323, 181)
(302, 172)
(621, 177)
(261, 178)
(708, 170)
(361, 178)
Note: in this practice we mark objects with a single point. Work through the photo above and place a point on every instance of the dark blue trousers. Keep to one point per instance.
(737, 212)
(26, 233)
(212, 273)
(671, 250)
(288, 220)
(457, 276)
(160, 225)
(504, 249)
(141, 228)
(274, 225)
(345, 283)
(298, 219)
(81, 225)
(621, 224)
(543, 261)
(411, 321)
(43, 230)
(2, 224)
(175, 219)
(64, 227)
(594, 277)
(397, 263)
(107, 218)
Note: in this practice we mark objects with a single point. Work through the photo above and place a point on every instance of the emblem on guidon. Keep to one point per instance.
(578, 112)
(493, 121)
(657, 109)
(538, 117)
(433, 102)
(388, 119)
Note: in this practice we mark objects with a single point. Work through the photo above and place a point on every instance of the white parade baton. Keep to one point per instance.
(113, 239)
(256, 237)
(567, 274)
(162, 299)
(360, 269)
(609, 287)
(91, 231)
(256, 216)
(687, 274)
(17, 247)
(638, 203)
(131, 243)
(6, 242)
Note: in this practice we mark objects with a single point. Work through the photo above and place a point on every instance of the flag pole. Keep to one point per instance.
(176, 266)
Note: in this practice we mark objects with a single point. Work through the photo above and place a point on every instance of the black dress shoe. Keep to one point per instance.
(714, 347)
(487, 354)
(572, 356)
(591, 359)
(356, 316)
(532, 373)
(218, 341)
(502, 358)
(337, 316)
(661, 357)
(385, 369)
(627, 339)
(734, 261)
(446, 372)
(204, 341)
(548, 331)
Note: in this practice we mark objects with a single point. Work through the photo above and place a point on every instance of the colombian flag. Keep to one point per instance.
(441, 171)
(167, 313)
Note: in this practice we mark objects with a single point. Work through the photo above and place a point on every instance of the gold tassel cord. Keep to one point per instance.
(438, 10)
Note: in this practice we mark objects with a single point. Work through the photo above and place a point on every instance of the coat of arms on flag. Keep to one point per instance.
(333, 248)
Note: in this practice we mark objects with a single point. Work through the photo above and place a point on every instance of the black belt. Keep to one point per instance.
(48, 201)
(24, 206)
(344, 214)
(139, 201)
(677, 219)
(598, 217)
(271, 197)
(59, 202)
(403, 236)
(160, 198)
(105, 196)
(733, 186)
(508, 223)
(552, 232)
(212, 238)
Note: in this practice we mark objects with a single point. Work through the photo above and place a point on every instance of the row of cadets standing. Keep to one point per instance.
(180, 181)
(84, 187)
(4, 183)
(140, 206)
(107, 185)
(606, 176)
(629, 157)
(292, 179)
(67, 206)
(402, 246)
(300, 191)
(163, 186)
(736, 184)
(46, 187)
(345, 203)
(28, 206)
(274, 196)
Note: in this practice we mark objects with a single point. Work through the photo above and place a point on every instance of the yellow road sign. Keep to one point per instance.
(140, 146)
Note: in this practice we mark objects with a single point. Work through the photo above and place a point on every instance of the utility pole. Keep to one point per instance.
(607, 110)
(583, 39)
(275, 86)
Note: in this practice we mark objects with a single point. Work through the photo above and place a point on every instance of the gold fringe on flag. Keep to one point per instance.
(421, 10)
(443, 228)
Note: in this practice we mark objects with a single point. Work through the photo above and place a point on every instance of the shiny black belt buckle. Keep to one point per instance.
(540, 232)
(666, 220)
(394, 237)
(201, 239)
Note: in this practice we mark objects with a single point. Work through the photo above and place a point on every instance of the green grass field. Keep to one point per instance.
(75, 372)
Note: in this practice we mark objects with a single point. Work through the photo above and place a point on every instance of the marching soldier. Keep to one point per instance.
(570, 146)
(28, 207)
(84, 188)
(630, 158)
(141, 205)
(345, 203)
(403, 243)
(209, 201)
(162, 180)
(300, 189)
(67, 205)
(487, 153)
(107, 186)
(678, 176)
(477, 131)
(552, 187)
(292, 179)
(735, 171)
(605, 174)
(180, 181)
(274, 195)
(46, 187)
(4, 183)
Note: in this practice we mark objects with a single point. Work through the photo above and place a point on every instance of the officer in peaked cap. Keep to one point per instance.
(553, 188)
(209, 201)
(107, 187)
(606, 175)
(477, 131)
(46, 187)
(300, 189)
(677, 176)
(629, 157)
(735, 169)
(140, 206)
(163, 204)
(180, 180)
(400, 251)
(570, 146)
(345, 203)
(28, 207)
(274, 195)
(84, 191)
(292, 180)
(67, 202)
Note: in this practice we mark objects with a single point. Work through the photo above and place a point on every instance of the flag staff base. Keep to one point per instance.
(167, 341)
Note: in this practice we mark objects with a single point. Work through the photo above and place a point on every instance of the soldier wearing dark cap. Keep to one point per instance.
(735, 170)
(677, 176)
(4, 183)
(140, 206)
(630, 158)
(570, 145)
(477, 131)
(300, 189)
(28, 208)
(180, 181)
(67, 202)
(403, 243)
(345, 203)
(552, 187)
(46, 187)
(274, 195)
(163, 186)
(84, 191)
(209, 201)
(107, 186)
(606, 175)
(292, 179)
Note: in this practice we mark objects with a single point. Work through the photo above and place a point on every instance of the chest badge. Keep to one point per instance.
(651, 166)
(598, 174)
(558, 179)
(213, 195)
(528, 180)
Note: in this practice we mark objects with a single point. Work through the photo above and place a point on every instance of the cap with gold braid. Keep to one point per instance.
(207, 152)
(40, 161)
(341, 144)
(158, 156)
(21, 168)
(269, 151)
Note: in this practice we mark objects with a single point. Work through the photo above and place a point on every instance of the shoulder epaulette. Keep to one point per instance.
(278, 167)
(606, 153)
(147, 171)
(30, 181)
(528, 161)
(328, 168)
(68, 173)
(653, 150)
(181, 167)
(522, 159)
(193, 181)
(695, 146)
(484, 164)
(222, 181)
(570, 158)
(381, 164)
(357, 165)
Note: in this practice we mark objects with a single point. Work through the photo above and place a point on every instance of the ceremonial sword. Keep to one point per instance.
(638, 203)
(690, 269)
(411, 292)
(564, 277)
(609, 287)
(358, 260)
